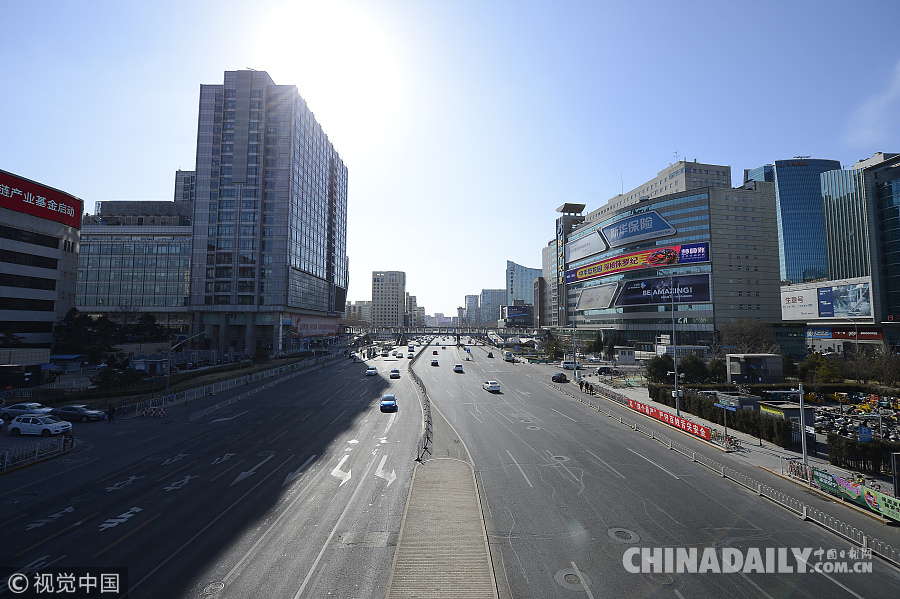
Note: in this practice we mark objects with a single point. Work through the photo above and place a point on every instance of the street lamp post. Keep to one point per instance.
(169, 360)
(674, 347)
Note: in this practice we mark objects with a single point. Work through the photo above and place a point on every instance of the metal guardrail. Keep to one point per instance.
(35, 452)
(427, 440)
(806, 512)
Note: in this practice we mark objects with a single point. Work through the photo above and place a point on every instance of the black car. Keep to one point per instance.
(78, 412)
(559, 377)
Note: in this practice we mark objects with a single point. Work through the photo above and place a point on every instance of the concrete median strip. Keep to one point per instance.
(443, 548)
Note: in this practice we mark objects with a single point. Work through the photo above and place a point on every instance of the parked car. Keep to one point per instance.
(559, 377)
(388, 403)
(492, 386)
(78, 412)
(19, 409)
(458, 368)
(38, 424)
(371, 371)
(395, 373)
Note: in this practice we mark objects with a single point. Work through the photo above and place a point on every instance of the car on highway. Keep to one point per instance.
(490, 354)
(78, 412)
(434, 353)
(395, 373)
(371, 371)
(410, 355)
(458, 368)
(20, 409)
(492, 386)
(38, 424)
(559, 377)
(388, 403)
(434, 362)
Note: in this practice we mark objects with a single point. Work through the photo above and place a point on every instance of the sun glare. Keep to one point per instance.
(343, 64)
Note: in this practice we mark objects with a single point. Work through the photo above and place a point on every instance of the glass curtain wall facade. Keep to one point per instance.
(887, 197)
(846, 226)
(520, 282)
(800, 213)
(270, 223)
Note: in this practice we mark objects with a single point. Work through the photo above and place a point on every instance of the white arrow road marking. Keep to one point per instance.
(525, 393)
(230, 417)
(124, 483)
(390, 422)
(250, 472)
(297, 472)
(344, 476)
(381, 473)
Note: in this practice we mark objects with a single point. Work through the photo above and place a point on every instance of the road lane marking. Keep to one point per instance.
(380, 472)
(476, 417)
(114, 474)
(251, 472)
(292, 475)
(561, 414)
(581, 579)
(333, 530)
(230, 417)
(520, 469)
(652, 462)
(275, 438)
(2, 524)
(338, 473)
(336, 419)
(162, 478)
(205, 528)
(224, 472)
(126, 535)
(604, 463)
(56, 534)
(307, 416)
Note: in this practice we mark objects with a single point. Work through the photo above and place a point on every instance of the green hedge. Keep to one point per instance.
(871, 458)
(752, 422)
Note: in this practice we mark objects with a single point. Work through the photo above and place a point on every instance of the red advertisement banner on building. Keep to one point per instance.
(303, 325)
(32, 198)
(671, 419)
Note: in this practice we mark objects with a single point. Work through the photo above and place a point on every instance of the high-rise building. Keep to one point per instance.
(520, 283)
(491, 301)
(388, 298)
(269, 260)
(359, 312)
(410, 319)
(800, 214)
(472, 314)
(184, 185)
(39, 244)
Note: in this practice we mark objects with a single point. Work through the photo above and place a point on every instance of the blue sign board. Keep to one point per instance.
(729, 408)
(688, 289)
(826, 302)
(818, 333)
(865, 434)
(647, 225)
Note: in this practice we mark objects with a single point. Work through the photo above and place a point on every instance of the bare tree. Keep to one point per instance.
(126, 314)
(749, 336)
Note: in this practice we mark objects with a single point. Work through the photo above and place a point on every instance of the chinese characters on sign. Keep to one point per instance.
(32, 198)
(671, 419)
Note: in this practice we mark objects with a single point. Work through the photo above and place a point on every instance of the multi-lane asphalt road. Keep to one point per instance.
(297, 491)
(568, 491)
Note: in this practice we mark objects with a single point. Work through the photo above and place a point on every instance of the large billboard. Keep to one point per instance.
(598, 297)
(665, 256)
(516, 311)
(647, 225)
(590, 244)
(659, 290)
(839, 301)
(32, 198)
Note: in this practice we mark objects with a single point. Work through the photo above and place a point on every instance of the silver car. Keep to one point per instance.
(19, 409)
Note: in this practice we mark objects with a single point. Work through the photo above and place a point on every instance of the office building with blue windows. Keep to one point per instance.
(520, 283)
(800, 214)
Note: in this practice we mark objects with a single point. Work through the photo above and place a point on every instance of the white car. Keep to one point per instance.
(371, 371)
(38, 424)
(492, 386)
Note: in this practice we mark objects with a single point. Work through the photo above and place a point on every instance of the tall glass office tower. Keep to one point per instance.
(800, 215)
(269, 258)
(520, 282)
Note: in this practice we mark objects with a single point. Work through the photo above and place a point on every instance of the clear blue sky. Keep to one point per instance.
(463, 124)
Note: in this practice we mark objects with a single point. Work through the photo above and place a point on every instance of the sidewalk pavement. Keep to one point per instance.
(752, 450)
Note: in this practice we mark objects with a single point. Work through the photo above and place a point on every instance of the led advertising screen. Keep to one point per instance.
(665, 256)
(840, 301)
(659, 290)
(598, 297)
(647, 225)
(516, 311)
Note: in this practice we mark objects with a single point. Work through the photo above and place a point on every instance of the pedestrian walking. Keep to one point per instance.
(111, 414)
(581, 385)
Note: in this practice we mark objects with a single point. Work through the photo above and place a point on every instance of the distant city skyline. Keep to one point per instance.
(462, 125)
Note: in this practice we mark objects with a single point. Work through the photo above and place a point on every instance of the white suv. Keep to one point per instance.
(38, 424)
